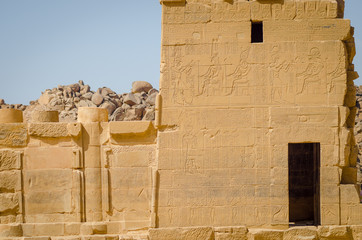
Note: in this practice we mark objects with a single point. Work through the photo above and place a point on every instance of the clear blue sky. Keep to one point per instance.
(109, 43)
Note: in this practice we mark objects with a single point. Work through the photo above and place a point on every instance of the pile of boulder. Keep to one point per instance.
(139, 104)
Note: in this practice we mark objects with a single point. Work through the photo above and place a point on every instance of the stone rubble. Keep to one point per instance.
(136, 105)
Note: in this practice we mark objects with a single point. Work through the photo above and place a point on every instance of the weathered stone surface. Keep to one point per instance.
(50, 130)
(11, 116)
(10, 181)
(301, 233)
(197, 233)
(264, 234)
(109, 106)
(148, 114)
(232, 233)
(13, 230)
(133, 114)
(45, 116)
(152, 99)
(119, 128)
(118, 115)
(10, 160)
(13, 135)
(87, 115)
(131, 99)
(97, 99)
(232, 110)
(141, 86)
(48, 158)
(9, 202)
(334, 232)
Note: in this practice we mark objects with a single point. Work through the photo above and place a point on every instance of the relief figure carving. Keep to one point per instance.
(310, 77)
(280, 87)
(238, 78)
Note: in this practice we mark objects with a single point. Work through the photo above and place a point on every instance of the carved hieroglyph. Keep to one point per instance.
(230, 107)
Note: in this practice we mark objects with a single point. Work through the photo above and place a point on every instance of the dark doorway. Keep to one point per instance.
(256, 32)
(304, 165)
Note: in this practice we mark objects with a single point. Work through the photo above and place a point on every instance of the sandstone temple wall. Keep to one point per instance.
(242, 85)
(231, 104)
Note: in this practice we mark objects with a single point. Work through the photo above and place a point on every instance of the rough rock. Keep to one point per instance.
(97, 99)
(141, 86)
(131, 99)
(109, 106)
(152, 99)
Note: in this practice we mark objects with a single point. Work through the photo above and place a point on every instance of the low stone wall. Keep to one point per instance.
(112, 231)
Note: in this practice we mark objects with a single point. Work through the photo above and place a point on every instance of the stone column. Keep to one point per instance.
(13, 135)
(91, 119)
(45, 116)
(11, 116)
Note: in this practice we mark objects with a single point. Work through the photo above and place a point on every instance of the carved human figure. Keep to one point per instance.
(277, 64)
(212, 81)
(183, 89)
(238, 77)
(311, 75)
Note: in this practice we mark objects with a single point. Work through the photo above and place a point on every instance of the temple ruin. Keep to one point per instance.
(253, 137)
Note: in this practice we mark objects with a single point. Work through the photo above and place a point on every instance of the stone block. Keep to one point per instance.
(10, 160)
(74, 129)
(114, 227)
(48, 130)
(13, 135)
(349, 194)
(11, 116)
(28, 229)
(304, 116)
(48, 229)
(67, 238)
(48, 180)
(137, 225)
(307, 30)
(231, 233)
(132, 159)
(10, 181)
(72, 228)
(299, 233)
(330, 214)
(129, 178)
(346, 135)
(330, 175)
(10, 203)
(356, 231)
(334, 232)
(137, 199)
(105, 237)
(265, 234)
(36, 238)
(196, 233)
(92, 157)
(48, 158)
(130, 127)
(47, 202)
(329, 194)
(349, 175)
(93, 228)
(10, 230)
(92, 114)
(45, 116)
